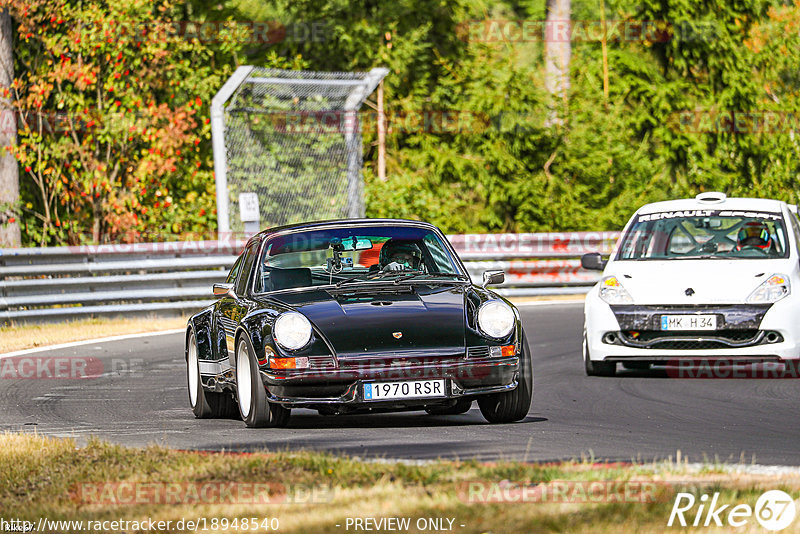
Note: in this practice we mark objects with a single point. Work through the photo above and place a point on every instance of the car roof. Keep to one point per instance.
(741, 204)
(343, 222)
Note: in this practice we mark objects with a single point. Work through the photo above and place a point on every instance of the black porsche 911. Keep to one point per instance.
(356, 316)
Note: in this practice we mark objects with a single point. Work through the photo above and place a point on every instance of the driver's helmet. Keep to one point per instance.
(753, 234)
(405, 253)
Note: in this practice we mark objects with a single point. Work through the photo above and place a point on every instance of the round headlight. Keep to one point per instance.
(292, 330)
(496, 318)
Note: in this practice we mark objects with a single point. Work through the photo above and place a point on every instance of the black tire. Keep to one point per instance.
(513, 405)
(636, 366)
(254, 408)
(596, 368)
(205, 404)
(461, 406)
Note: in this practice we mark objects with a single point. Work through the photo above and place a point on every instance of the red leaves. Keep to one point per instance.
(80, 81)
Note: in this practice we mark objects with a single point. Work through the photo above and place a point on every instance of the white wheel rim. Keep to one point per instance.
(194, 375)
(244, 389)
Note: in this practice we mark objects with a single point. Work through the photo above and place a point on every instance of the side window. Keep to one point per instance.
(441, 259)
(234, 270)
(249, 256)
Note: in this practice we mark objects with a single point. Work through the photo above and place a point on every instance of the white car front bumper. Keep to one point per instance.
(779, 318)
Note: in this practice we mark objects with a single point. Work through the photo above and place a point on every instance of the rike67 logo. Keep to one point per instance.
(774, 510)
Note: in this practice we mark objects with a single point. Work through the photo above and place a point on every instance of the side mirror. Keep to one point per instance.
(493, 277)
(224, 290)
(593, 261)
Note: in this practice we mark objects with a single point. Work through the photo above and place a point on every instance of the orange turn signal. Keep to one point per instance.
(509, 350)
(282, 363)
(288, 363)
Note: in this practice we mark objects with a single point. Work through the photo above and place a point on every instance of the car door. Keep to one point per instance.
(230, 310)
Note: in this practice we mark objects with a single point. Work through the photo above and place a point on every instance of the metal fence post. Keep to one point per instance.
(218, 145)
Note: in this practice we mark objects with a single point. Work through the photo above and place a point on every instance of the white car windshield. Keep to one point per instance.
(693, 234)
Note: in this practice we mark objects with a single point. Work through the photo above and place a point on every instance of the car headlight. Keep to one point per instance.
(292, 330)
(496, 318)
(612, 291)
(771, 290)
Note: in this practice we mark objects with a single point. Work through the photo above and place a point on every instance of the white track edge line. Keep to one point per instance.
(89, 342)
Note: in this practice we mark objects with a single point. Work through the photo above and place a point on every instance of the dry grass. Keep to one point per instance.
(27, 336)
(42, 477)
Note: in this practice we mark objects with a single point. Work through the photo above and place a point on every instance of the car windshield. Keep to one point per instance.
(354, 254)
(705, 234)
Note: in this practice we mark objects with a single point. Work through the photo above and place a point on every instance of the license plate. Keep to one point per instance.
(403, 390)
(688, 322)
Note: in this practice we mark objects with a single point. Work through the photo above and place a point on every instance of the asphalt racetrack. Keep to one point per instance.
(140, 398)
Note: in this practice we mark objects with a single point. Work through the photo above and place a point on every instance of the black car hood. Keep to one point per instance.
(362, 321)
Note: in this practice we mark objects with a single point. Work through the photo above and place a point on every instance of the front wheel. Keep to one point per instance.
(205, 404)
(256, 410)
(512, 405)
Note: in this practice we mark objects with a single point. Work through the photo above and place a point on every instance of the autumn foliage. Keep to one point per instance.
(112, 122)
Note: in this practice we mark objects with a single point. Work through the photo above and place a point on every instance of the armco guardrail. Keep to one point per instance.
(67, 282)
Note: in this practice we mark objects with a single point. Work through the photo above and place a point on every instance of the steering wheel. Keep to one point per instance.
(753, 247)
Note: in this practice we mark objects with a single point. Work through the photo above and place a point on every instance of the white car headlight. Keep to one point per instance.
(292, 330)
(771, 290)
(496, 318)
(612, 291)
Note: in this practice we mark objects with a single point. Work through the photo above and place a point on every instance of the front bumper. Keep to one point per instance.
(344, 386)
(745, 332)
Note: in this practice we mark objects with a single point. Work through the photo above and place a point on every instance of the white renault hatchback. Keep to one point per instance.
(705, 277)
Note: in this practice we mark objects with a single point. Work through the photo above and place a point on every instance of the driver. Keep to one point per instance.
(753, 234)
(400, 256)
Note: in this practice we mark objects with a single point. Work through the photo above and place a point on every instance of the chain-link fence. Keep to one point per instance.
(292, 139)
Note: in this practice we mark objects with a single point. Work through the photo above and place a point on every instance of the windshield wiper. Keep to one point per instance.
(370, 277)
(411, 275)
(401, 276)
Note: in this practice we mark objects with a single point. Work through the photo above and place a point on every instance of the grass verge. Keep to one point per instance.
(28, 336)
(315, 492)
